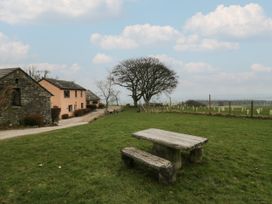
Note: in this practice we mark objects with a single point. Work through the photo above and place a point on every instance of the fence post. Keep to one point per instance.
(252, 109)
(210, 104)
(229, 107)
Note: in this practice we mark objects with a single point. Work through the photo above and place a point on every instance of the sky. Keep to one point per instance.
(222, 48)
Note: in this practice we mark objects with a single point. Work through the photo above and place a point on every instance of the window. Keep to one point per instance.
(75, 93)
(66, 94)
(16, 97)
(81, 94)
(70, 108)
(75, 107)
(82, 105)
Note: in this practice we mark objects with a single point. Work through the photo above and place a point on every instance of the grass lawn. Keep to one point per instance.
(82, 164)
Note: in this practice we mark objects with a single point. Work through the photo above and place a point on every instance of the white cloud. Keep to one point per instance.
(12, 50)
(198, 79)
(55, 68)
(234, 20)
(198, 67)
(195, 43)
(170, 61)
(113, 42)
(101, 59)
(260, 68)
(149, 34)
(185, 67)
(136, 35)
(17, 11)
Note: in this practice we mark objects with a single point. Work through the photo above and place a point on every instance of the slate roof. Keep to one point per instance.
(70, 85)
(7, 71)
(91, 96)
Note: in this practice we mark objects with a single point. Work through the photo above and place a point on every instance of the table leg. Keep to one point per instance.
(196, 155)
(173, 155)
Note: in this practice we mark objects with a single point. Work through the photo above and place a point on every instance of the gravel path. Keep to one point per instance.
(76, 121)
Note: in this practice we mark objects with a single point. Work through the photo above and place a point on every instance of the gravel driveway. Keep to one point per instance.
(62, 124)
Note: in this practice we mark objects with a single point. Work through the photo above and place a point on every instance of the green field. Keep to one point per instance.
(83, 165)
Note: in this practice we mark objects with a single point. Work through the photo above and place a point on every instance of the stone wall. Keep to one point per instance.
(34, 99)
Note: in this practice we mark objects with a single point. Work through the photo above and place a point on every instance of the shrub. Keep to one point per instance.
(81, 112)
(33, 120)
(101, 105)
(64, 116)
(55, 114)
(194, 103)
(92, 106)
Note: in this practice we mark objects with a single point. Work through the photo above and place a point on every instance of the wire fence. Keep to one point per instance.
(253, 109)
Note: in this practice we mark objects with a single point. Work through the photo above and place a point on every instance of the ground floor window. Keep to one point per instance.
(70, 108)
(82, 105)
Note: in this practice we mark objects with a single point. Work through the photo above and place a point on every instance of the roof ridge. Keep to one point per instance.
(64, 84)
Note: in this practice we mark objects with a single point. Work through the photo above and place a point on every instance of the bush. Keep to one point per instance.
(33, 120)
(65, 116)
(101, 106)
(55, 114)
(92, 106)
(81, 112)
(194, 103)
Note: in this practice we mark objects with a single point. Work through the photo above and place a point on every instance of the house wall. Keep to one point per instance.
(56, 98)
(34, 99)
(74, 101)
(59, 100)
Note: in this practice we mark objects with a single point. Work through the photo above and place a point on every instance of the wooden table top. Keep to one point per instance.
(171, 139)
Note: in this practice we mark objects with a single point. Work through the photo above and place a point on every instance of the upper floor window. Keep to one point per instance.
(81, 93)
(16, 97)
(75, 93)
(66, 94)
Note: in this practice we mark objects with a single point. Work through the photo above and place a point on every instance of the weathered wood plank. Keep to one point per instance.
(165, 170)
(145, 157)
(171, 139)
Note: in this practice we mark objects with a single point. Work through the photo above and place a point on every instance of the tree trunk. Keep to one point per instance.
(135, 102)
(147, 100)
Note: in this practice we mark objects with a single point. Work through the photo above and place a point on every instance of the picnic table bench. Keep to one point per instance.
(166, 152)
(169, 145)
(164, 168)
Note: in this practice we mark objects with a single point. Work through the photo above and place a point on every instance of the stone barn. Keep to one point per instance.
(26, 97)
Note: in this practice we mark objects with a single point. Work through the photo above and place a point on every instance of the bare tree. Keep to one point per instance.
(5, 97)
(106, 89)
(144, 77)
(36, 74)
(168, 95)
(115, 96)
(129, 74)
(157, 79)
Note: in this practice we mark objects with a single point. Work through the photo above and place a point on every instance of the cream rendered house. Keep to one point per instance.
(67, 95)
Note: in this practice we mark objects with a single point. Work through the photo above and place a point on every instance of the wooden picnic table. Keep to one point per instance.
(169, 145)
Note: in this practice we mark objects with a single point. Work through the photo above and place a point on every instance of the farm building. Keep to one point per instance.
(25, 98)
